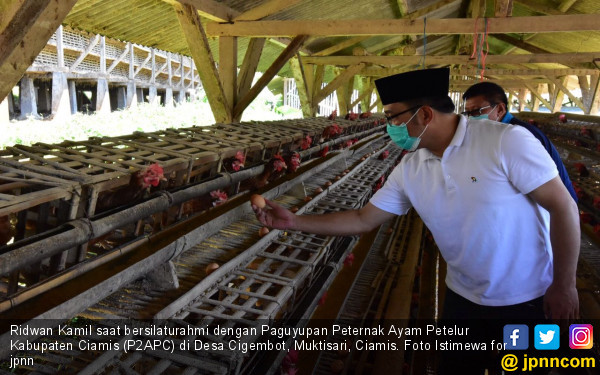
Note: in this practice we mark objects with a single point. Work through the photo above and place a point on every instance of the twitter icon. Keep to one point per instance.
(546, 337)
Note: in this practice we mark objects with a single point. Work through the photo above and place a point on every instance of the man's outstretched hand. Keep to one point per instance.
(275, 216)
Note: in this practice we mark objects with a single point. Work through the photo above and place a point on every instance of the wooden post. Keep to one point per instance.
(103, 55)
(304, 93)
(595, 95)
(367, 93)
(152, 91)
(198, 44)
(73, 97)
(102, 96)
(249, 65)
(268, 75)
(228, 73)
(169, 97)
(522, 98)
(556, 97)
(132, 98)
(60, 53)
(28, 98)
(535, 102)
(61, 108)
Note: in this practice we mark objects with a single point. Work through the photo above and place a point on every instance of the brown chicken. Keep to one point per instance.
(274, 169)
(235, 163)
(203, 203)
(139, 184)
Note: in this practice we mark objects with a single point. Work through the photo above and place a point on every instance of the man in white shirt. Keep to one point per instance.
(491, 196)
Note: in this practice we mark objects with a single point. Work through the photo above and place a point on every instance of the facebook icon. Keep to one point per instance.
(516, 336)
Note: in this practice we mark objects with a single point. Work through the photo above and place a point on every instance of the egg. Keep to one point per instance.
(294, 209)
(263, 231)
(318, 190)
(307, 199)
(258, 201)
(328, 183)
(211, 268)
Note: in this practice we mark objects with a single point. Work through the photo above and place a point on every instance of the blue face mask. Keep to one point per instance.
(399, 135)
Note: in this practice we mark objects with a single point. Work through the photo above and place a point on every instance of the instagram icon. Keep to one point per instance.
(581, 336)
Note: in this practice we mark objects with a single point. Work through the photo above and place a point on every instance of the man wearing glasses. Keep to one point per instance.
(487, 193)
(487, 100)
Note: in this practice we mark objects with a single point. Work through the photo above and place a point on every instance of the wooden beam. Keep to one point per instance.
(249, 65)
(153, 70)
(540, 24)
(520, 44)
(595, 99)
(228, 71)
(536, 97)
(119, 59)
(86, 52)
(308, 110)
(345, 76)
(60, 51)
(131, 74)
(586, 92)
(503, 8)
(139, 68)
(559, 84)
(556, 97)
(521, 96)
(464, 43)
(268, 75)
(340, 46)
(565, 5)
(390, 44)
(528, 72)
(214, 11)
(343, 97)
(266, 9)
(550, 58)
(431, 8)
(8, 9)
(366, 92)
(198, 45)
(537, 7)
(402, 7)
(506, 84)
(317, 81)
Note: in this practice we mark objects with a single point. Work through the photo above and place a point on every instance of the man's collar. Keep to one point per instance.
(457, 139)
(507, 117)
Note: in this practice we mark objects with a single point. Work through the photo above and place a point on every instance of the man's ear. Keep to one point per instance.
(502, 110)
(427, 114)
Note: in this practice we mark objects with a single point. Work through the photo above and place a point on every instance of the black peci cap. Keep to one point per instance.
(416, 84)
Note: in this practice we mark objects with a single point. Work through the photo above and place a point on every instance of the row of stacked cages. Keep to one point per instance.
(47, 189)
(577, 138)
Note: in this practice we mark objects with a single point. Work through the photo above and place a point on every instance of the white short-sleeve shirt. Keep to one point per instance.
(494, 238)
